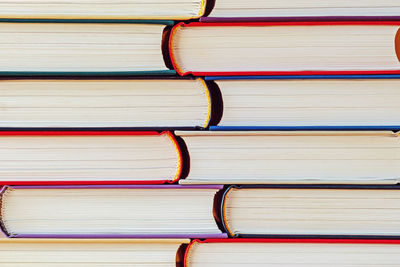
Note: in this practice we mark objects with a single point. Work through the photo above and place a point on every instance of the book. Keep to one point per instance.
(303, 102)
(81, 48)
(169, 252)
(369, 211)
(233, 103)
(283, 48)
(191, 9)
(292, 252)
(291, 157)
(156, 103)
(90, 252)
(236, 10)
(110, 9)
(89, 157)
(163, 211)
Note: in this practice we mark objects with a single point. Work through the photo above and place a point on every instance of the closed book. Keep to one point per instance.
(89, 157)
(90, 252)
(313, 102)
(110, 9)
(210, 252)
(286, 48)
(292, 252)
(253, 10)
(292, 157)
(140, 103)
(311, 211)
(83, 48)
(141, 211)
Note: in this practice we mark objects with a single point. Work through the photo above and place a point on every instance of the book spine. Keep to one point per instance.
(202, 10)
(171, 53)
(187, 251)
(209, 100)
(179, 155)
(223, 214)
(3, 228)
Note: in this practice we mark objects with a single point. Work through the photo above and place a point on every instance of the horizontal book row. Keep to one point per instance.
(199, 157)
(208, 211)
(198, 253)
(189, 9)
(76, 48)
(269, 102)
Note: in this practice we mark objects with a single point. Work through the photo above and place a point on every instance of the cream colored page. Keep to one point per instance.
(90, 253)
(325, 102)
(88, 158)
(285, 48)
(313, 211)
(236, 158)
(117, 9)
(105, 103)
(76, 47)
(109, 211)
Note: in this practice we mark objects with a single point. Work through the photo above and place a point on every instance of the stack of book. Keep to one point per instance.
(199, 133)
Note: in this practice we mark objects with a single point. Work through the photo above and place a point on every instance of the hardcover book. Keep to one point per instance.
(220, 10)
(90, 252)
(271, 102)
(292, 252)
(364, 211)
(292, 157)
(163, 211)
(89, 157)
(95, 9)
(156, 103)
(208, 252)
(237, 10)
(81, 48)
(275, 48)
